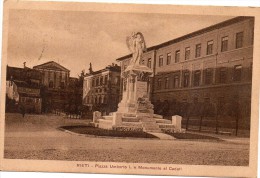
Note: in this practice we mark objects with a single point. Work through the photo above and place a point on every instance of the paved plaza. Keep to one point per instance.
(37, 137)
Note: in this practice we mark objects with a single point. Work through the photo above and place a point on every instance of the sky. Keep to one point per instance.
(76, 38)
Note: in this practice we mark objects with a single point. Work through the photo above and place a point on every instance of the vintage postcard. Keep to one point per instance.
(130, 89)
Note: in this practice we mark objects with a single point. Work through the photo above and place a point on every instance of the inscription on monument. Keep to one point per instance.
(141, 89)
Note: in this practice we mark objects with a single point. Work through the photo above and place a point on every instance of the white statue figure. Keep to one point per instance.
(136, 45)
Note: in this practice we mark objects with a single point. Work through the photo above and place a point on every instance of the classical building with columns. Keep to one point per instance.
(101, 89)
(212, 66)
(60, 91)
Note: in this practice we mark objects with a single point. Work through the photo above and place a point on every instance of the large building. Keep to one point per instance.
(23, 89)
(61, 92)
(101, 89)
(210, 67)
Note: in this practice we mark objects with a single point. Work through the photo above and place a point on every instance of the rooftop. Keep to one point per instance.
(196, 33)
(113, 67)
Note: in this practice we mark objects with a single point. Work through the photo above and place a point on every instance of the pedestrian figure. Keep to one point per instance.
(22, 110)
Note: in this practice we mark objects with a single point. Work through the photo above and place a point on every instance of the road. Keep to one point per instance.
(37, 137)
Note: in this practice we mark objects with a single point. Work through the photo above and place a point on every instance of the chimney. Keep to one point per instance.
(90, 68)
(24, 64)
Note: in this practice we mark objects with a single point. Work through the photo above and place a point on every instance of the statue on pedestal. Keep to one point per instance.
(135, 78)
(137, 46)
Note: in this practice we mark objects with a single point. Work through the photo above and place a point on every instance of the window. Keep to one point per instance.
(177, 56)
(186, 79)
(50, 84)
(160, 60)
(239, 39)
(223, 75)
(237, 73)
(159, 84)
(197, 75)
(224, 44)
(195, 100)
(187, 53)
(62, 85)
(101, 80)
(207, 100)
(198, 50)
(54, 77)
(176, 81)
(166, 83)
(105, 100)
(208, 76)
(22, 99)
(49, 75)
(220, 104)
(97, 81)
(93, 82)
(149, 63)
(106, 78)
(169, 56)
(210, 47)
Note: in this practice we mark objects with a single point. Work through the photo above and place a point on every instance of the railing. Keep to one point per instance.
(66, 115)
(230, 118)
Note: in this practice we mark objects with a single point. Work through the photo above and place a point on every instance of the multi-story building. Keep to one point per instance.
(23, 90)
(211, 66)
(101, 89)
(60, 91)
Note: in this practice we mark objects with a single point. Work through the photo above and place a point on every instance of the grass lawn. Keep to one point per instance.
(89, 130)
(192, 136)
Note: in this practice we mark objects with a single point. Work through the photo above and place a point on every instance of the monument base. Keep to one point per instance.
(135, 111)
(138, 122)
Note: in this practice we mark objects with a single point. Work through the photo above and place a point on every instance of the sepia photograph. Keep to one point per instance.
(128, 91)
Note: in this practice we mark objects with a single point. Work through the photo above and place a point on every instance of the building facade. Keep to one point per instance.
(23, 89)
(209, 67)
(60, 91)
(101, 89)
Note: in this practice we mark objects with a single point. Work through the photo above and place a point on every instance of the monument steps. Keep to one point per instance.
(150, 125)
(132, 124)
(166, 126)
(157, 116)
(129, 115)
(130, 119)
(147, 119)
(165, 121)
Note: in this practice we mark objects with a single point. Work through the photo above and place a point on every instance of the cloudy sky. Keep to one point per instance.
(74, 39)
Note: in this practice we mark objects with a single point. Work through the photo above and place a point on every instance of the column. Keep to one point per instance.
(131, 88)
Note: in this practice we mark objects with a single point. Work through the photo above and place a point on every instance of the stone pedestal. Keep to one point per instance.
(96, 115)
(135, 90)
(176, 121)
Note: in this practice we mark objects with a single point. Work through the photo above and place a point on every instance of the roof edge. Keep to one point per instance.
(192, 34)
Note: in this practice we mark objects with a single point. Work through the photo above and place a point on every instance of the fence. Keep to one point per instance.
(230, 117)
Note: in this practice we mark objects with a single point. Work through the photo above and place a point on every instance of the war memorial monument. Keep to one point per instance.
(135, 111)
